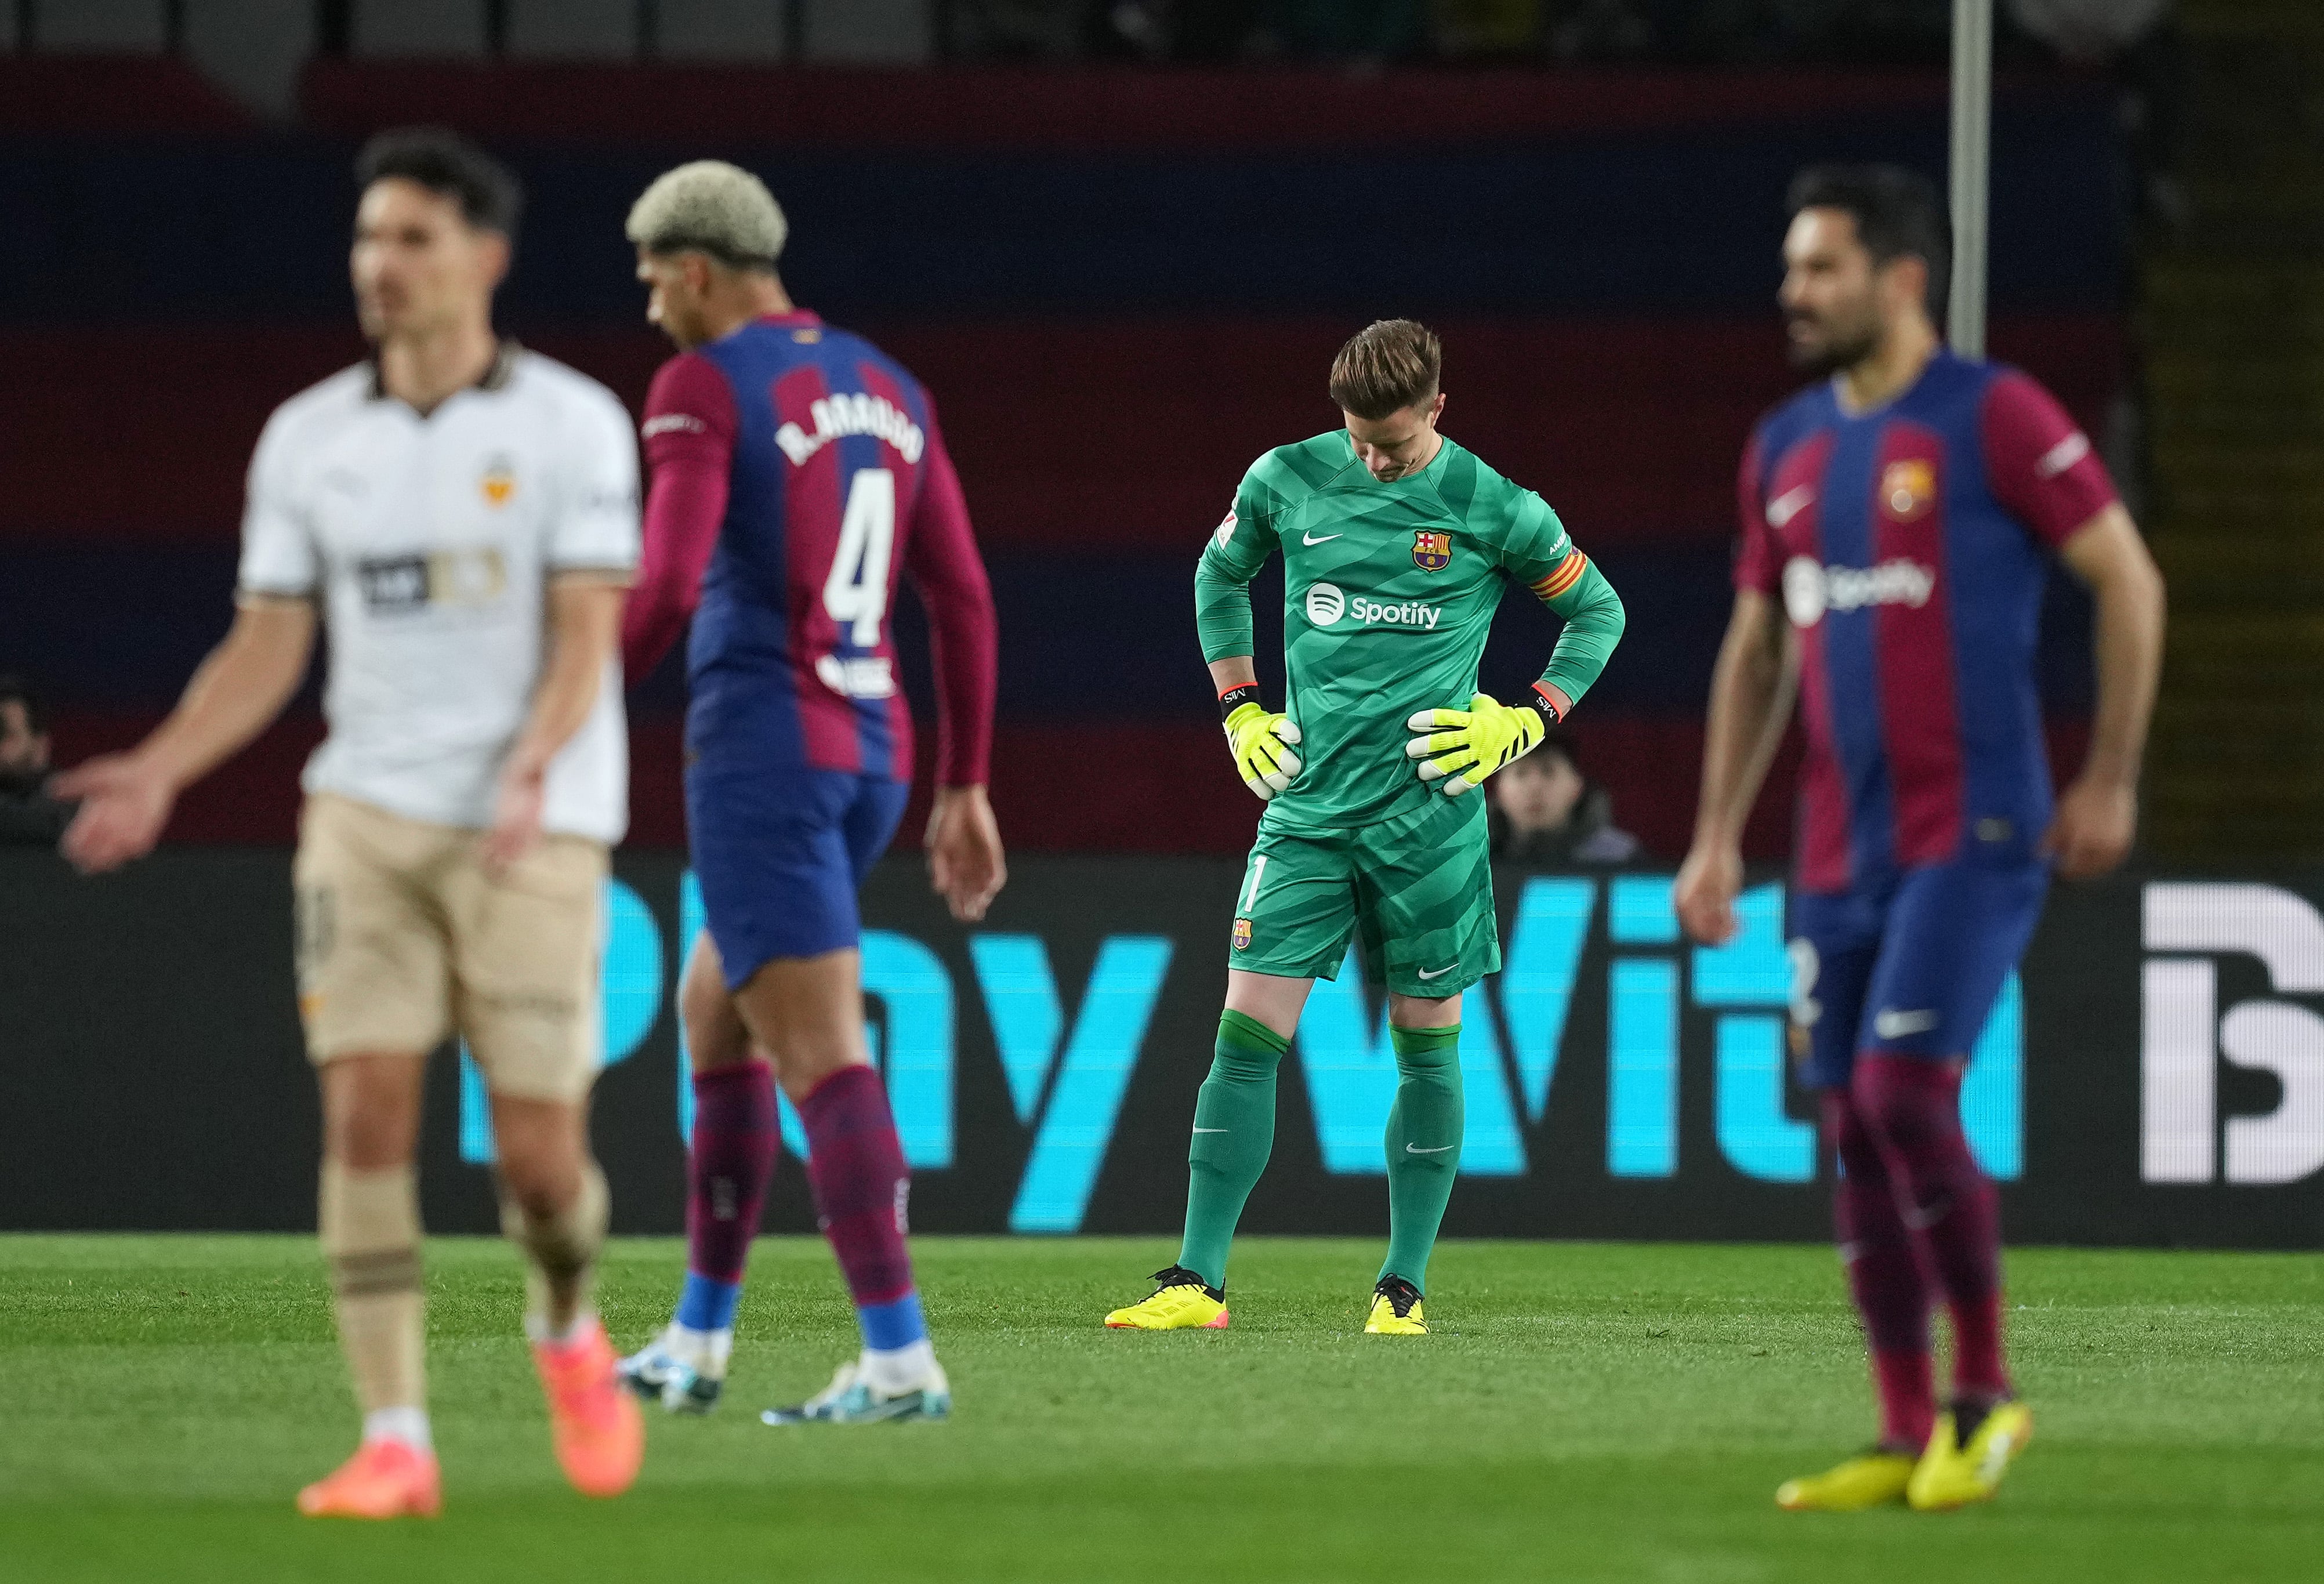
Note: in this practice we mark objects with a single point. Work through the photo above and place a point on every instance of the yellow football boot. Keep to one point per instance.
(1182, 1300)
(1876, 1479)
(1395, 1310)
(1953, 1475)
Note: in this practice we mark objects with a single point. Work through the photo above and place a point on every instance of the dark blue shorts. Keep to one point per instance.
(1911, 965)
(780, 855)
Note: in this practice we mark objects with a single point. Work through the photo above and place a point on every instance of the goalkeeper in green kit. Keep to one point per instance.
(1397, 545)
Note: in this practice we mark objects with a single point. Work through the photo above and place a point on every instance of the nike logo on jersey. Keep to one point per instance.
(1790, 504)
(857, 675)
(1903, 1025)
(1440, 1149)
(1440, 972)
(1308, 538)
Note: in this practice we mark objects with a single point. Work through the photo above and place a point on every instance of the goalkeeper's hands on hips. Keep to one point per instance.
(1461, 747)
(1261, 743)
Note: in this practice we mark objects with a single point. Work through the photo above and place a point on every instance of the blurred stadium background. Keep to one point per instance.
(1088, 259)
(1119, 239)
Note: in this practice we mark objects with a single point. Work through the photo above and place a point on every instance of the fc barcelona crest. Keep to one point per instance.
(1242, 934)
(1432, 552)
(1908, 489)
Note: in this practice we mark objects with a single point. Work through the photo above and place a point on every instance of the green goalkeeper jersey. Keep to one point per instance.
(1390, 590)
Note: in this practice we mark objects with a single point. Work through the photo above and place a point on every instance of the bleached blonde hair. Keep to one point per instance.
(712, 207)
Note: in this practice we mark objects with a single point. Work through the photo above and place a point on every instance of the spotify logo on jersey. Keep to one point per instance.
(1325, 604)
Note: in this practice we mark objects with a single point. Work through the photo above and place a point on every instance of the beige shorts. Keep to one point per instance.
(404, 940)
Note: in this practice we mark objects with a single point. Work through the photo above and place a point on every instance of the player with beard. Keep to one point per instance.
(1898, 519)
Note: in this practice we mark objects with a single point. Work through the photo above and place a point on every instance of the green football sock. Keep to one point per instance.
(1235, 1133)
(1423, 1145)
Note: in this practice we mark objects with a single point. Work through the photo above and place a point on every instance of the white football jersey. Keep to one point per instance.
(427, 544)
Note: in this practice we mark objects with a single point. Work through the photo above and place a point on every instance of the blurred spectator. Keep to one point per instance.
(2089, 30)
(1545, 812)
(28, 814)
(2139, 45)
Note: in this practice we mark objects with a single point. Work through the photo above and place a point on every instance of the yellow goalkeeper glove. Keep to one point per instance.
(1463, 747)
(1258, 741)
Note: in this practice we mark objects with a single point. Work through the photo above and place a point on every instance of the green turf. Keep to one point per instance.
(1581, 1412)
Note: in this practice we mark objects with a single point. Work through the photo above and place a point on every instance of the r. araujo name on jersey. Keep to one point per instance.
(1390, 591)
(843, 414)
(838, 485)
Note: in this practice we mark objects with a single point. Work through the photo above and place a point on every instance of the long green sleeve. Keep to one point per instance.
(1222, 607)
(1237, 548)
(1593, 617)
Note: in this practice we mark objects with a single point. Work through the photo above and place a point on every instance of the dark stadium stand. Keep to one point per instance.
(1102, 379)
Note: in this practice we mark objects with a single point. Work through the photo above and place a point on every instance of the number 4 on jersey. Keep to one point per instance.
(855, 595)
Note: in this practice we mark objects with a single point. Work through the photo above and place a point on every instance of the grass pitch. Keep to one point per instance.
(1583, 1412)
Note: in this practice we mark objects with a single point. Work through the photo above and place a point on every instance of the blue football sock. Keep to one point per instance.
(706, 1303)
(889, 1326)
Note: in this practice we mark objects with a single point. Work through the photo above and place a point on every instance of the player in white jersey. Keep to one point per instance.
(461, 517)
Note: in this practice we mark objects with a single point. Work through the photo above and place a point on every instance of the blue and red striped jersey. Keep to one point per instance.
(799, 473)
(1909, 546)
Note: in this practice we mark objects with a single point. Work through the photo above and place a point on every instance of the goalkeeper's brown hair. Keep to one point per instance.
(1386, 367)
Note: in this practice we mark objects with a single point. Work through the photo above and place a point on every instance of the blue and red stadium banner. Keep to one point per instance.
(1120, 288)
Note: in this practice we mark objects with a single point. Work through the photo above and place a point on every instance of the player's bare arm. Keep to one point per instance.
(2098, 813)
(585, 626)
(234, 695)
(1751, 690)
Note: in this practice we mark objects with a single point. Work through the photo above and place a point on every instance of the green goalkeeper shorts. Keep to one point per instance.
(1416, 893)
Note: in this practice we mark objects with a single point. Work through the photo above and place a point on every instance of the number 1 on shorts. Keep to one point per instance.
(1250, 892)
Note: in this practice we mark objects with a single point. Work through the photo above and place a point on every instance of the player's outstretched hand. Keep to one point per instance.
(1704, 893)
(2092, 831)
(1463, 747)
(966, 866)
(124, 803)
(1258, 740)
